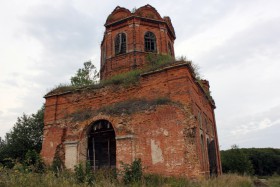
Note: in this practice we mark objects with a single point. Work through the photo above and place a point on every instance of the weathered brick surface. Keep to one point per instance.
(170, 138)
(53, 139)
(134, 25)
(166, 138)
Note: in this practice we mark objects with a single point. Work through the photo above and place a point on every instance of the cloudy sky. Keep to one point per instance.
(235, 43)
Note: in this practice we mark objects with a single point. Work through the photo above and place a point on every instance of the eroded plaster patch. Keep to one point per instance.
(156, 152)
(70, 154)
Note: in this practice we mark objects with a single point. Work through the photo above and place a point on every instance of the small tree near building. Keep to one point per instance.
(86, 75)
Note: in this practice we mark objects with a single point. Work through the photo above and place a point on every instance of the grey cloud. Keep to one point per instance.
(257, 40)
(198, 16)
(263, 138)
(247, 131)
(5, 121)
(69, 37)
(11, 82)
(61, 29)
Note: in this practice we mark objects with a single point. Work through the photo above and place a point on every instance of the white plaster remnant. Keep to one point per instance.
(156, 152)
(130, 136)
(70, 154)
(165, 132)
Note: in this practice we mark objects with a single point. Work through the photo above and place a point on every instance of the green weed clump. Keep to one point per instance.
(62, 88)
(132, 173)
(57, 164)
(84, 174)
(124, 79)
(157, 61)
(34, 162)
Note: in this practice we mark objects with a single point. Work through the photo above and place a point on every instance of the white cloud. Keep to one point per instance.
(254, 126)
(251, 129)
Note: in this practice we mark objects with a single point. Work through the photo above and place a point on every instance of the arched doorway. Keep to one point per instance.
(102, 145)
(212, 157)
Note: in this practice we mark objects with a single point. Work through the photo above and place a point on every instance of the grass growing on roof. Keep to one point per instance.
(155, 62)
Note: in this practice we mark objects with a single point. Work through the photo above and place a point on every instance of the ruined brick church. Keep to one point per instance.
(165, 118)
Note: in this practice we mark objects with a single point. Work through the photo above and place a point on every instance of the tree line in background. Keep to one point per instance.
(26, 136)
(252, 161)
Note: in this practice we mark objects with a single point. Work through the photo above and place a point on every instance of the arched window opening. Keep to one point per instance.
(102, 145)
(206, 126)
(202, 150)
(103, 55)
(120, 43)
(150, 42)
(200, 120)
(170, 52)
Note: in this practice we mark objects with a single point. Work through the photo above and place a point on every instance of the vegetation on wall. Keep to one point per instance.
(194, 67)
(125, 107)
(125, 79)
(87, 77)
(155, 62)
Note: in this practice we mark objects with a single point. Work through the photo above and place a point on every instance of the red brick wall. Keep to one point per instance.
(134, 25)
(172, 130)
(52, 142)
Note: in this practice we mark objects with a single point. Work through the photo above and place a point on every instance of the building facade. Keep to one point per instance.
(166, 118)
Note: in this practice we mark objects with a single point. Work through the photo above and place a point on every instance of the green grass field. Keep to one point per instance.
(11, 178)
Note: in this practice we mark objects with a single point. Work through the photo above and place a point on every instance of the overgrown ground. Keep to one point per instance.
(11, 178)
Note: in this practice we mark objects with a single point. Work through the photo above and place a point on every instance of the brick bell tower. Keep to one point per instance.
(130, 36)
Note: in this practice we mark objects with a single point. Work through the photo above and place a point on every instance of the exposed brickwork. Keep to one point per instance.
(173, 128)
(170, 138)
(134, 25)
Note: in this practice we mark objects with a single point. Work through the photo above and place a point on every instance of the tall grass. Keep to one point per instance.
(228, 180)
(15, 178)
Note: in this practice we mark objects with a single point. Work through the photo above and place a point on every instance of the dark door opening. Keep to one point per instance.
(102, 145)
(212, 158)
